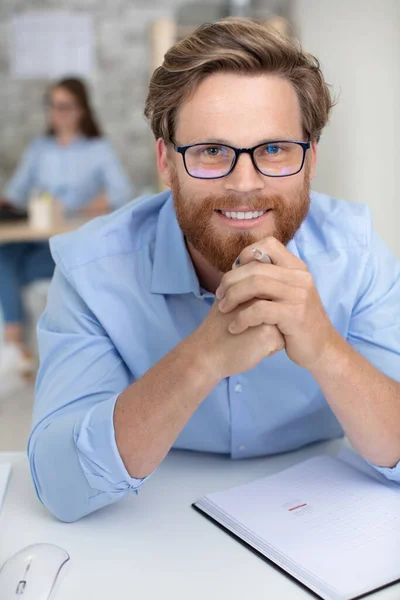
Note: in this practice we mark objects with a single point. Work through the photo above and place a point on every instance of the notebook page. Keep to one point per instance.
(5, 470)
(333, 521)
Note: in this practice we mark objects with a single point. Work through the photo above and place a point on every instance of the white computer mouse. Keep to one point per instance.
(31, 573)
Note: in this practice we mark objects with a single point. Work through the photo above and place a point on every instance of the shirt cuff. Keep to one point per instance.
(392, 473)
(98, 453)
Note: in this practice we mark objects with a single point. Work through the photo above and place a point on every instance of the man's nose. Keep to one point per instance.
(244, 177)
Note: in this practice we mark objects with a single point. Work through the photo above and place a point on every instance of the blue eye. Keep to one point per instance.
(272, 149)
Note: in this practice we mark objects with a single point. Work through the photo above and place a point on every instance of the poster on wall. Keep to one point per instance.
(51, 44)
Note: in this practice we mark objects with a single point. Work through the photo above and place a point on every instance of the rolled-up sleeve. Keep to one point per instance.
(374, 329)
(74, 459)
(20, 186)
(392, 473)
(114, 180)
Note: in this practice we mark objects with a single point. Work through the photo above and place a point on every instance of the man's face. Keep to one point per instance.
(239, 111)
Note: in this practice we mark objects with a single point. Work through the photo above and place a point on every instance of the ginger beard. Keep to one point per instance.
(221, 249)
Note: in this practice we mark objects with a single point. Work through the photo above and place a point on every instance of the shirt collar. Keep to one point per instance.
(292, 245)
(78, 139)
(173, 270)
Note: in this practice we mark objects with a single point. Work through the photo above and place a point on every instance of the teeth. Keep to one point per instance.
(243, 215)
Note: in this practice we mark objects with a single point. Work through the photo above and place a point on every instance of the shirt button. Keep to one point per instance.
(242, 447)
(238, 388)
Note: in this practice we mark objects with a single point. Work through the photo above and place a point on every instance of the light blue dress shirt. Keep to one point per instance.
(75, 174)
(125, 293)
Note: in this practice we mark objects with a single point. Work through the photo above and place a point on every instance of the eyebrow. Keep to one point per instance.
(227, 143)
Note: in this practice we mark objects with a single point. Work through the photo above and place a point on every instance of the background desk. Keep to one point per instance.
(154, 545)
(21, 231)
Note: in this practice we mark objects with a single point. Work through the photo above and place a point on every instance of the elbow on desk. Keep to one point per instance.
(49, 495)
(61, 513)
(58, 478)
(66, 507)
(62, 495)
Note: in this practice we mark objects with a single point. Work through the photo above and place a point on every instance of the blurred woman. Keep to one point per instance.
(77, 166)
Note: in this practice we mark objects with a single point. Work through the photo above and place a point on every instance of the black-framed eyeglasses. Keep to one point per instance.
(277, 158)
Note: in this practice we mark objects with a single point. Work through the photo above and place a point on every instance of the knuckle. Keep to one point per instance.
(279, 340)
(266, 335)
(303, 267)
(308, 277)
(304, 279)
(272, 338)
(272, 242)
(226, 278)
(257, 281)
(229, 295)
(302, 294)
(274, 345)
(254, 267)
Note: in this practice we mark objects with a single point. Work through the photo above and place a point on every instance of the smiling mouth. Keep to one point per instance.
(243, 215)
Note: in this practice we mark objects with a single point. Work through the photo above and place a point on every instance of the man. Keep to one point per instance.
(166, 323)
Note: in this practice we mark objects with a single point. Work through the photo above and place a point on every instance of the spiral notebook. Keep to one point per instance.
(333, 526)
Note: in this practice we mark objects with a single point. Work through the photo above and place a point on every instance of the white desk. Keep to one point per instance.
(154, 545)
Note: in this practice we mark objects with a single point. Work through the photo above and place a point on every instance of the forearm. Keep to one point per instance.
(365, 401)
(150, 414)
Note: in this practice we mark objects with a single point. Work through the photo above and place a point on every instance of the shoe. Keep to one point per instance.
(28, 364)
(11, 377)
(14, 361)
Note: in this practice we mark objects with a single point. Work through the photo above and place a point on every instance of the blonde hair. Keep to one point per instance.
(233, 45)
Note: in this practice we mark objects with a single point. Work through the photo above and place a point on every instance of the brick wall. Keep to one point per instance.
(120, 84)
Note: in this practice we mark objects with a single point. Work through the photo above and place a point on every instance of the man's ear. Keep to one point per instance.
(163, 166)
(313, 162)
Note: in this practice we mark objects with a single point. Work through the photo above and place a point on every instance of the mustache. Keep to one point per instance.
(230, 202)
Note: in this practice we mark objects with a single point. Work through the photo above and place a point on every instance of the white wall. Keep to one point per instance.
(358, 44)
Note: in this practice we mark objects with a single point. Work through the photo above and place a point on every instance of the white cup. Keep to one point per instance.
(44, 212)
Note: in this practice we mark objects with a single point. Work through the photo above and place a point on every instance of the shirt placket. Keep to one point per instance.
(241, 427)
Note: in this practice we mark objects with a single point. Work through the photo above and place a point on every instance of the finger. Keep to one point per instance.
(259, 286)
(258, 255)
(271, 339)
(277, 252)
(294, 277)
(264, 311)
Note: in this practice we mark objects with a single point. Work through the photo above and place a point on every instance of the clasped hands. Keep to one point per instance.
(281, 294)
